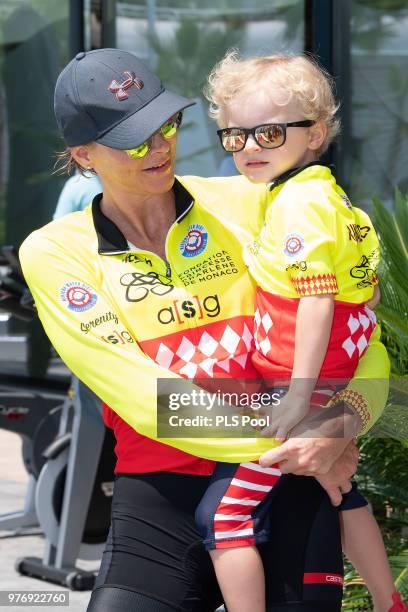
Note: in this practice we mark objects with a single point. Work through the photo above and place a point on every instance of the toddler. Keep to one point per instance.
(314, 263)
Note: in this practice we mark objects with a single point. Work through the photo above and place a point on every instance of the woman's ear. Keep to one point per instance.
(81, 156)
(317, 135)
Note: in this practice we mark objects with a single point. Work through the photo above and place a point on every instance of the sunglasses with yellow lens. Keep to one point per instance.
(167, 130)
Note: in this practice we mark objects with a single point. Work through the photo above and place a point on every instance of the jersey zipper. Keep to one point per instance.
(190, 323)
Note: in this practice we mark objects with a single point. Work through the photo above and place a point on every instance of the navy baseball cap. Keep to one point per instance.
(111, 97)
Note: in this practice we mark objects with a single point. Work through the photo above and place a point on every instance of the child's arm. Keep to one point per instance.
(313, 326)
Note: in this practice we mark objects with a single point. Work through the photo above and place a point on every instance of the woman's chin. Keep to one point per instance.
(161, 184)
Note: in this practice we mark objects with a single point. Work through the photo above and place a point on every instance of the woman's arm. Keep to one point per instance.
(367, 391)
(364, 400)
(120, 373)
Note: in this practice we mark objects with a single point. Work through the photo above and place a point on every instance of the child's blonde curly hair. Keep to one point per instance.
(283, 78)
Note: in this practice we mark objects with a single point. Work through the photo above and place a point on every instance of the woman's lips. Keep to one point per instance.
(159, 167)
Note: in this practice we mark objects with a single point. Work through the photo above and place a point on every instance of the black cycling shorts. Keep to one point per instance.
(155, 560)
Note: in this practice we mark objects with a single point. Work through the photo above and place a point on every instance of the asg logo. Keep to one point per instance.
(298, 265)
(195, 242)
(189, 309)
(77, 296)
(138, 285)
(118, 337)
(294, 244)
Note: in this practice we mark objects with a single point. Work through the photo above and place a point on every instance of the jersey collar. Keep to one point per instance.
(111, 241)
(294, 171)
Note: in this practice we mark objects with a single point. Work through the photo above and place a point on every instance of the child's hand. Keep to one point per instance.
(372, 303)
(291, 410)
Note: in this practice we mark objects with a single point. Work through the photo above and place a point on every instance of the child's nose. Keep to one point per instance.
(251, 144)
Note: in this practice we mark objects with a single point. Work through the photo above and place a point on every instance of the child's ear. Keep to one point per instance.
(317, 135)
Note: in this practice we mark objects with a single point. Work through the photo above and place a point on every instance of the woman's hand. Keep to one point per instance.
(317, 442)
(332, 461)
(337, 480)
(324, 448)
(305, 456)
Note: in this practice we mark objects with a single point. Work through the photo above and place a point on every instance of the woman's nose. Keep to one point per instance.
(159, 143)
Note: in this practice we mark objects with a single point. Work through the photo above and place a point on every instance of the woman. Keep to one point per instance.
(179, 304)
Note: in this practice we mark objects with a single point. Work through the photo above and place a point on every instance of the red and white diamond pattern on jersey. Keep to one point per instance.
(361, 327)
(315, 284)
(220, 349)
(263, 324)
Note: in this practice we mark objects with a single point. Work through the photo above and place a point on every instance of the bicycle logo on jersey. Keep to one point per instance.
(365, 270)
(139, 285)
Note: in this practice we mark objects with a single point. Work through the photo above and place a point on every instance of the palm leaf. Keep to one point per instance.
(392, 229)
(393, 422)
(383, 469)
(401, 581)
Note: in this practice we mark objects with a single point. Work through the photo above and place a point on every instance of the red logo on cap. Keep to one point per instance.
(119, 89)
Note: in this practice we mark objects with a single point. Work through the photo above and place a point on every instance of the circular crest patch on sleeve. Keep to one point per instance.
(78, 296)
(293, 244)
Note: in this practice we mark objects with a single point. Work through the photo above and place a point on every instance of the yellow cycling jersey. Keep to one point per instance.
(314, 241)
(121, 318)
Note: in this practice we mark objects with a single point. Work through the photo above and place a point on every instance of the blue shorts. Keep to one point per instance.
(353, 499)
(235, 509)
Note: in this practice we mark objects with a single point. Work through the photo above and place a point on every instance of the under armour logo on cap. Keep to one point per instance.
(111, 97)
(119, 89)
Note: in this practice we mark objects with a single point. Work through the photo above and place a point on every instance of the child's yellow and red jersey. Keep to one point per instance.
(121, 318)
(313, 242)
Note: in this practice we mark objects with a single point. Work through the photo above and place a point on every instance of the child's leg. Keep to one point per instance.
(364, 547)
(233, 520)
(240, 575)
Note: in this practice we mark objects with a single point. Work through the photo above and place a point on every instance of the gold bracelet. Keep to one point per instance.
(356, 401)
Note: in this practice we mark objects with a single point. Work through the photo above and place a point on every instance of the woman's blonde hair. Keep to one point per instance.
(283, 78)
(66, 164)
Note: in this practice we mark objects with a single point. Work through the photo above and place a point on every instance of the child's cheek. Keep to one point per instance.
(242, 168)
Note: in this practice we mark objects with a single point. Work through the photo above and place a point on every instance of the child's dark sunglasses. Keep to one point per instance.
(268, 136)
(167, 130)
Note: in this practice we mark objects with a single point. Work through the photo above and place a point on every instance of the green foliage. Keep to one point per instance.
(382, 478)
(392, 228)
(185, 60)
(370, 30)
(384, 5)
(383, 471)
(201, 38)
